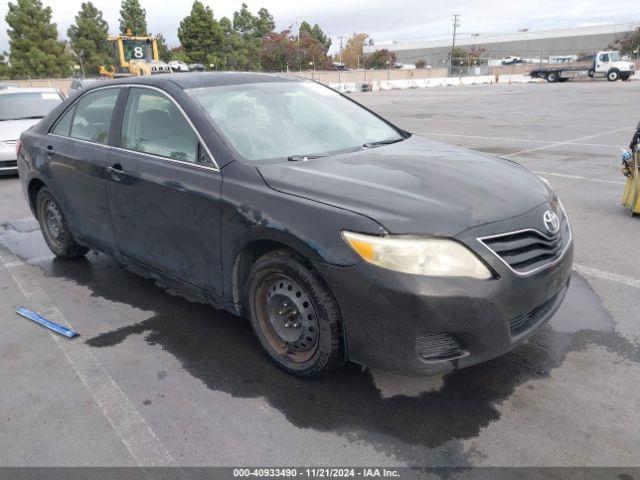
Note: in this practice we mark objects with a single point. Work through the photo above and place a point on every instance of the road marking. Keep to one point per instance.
(523, 140)
(135, 433)
(612, 277)
(578, 177)
(572, 141)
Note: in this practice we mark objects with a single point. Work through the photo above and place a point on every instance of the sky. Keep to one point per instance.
(384, 20)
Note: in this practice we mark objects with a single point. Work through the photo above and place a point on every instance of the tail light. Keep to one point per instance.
(18, 148)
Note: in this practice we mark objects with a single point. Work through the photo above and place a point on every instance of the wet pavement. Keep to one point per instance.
(197, 376)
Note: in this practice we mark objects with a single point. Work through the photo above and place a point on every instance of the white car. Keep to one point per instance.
(178, 66)
(21, 108)
(511, 60)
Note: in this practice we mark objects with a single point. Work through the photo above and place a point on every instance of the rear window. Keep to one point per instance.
(93, 112)
(25, 105)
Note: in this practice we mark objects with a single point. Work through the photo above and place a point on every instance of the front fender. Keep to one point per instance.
(252, 212)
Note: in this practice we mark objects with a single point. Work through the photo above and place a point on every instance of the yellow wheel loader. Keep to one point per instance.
(133, 56)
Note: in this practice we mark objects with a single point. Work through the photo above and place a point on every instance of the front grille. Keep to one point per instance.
(437, 346)
(528, 251)
(522, 323)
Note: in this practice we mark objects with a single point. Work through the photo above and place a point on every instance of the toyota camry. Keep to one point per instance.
(340, 236)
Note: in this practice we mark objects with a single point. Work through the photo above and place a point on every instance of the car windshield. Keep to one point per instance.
(614, 57)
(23, 105)
(290, 119)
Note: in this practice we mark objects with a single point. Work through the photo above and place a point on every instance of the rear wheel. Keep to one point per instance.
(294, 315)
(553, 77)
(613, 75)
(55, 228)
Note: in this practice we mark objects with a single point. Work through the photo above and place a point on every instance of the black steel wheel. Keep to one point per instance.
(55, 228)
(294, 315)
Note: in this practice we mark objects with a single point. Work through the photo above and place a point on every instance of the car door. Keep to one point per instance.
(164, 191)
(76, 148)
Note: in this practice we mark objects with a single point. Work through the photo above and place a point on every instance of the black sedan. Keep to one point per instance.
(340, 236)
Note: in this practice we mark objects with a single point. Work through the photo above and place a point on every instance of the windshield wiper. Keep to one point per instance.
(304, 158)
(381, 142)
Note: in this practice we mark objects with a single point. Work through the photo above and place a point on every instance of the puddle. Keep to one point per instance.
(384, 410)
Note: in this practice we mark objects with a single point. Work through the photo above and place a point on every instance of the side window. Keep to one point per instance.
(64, 123)
(93, 115)
(153, 124)
(604, 57)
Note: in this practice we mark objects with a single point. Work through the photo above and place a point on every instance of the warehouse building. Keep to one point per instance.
(526, 44)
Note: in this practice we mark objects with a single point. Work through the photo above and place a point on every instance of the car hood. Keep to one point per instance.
(12, 129)
(415, 186)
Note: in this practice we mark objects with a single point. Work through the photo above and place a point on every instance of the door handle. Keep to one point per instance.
(116, 172)
(49, 150)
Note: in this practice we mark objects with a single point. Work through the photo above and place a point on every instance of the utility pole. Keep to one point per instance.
(456, 24)
(340, 53)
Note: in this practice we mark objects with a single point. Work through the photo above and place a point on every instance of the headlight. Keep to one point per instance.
(436, 257)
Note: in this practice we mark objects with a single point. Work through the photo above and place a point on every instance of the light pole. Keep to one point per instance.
(79, 57)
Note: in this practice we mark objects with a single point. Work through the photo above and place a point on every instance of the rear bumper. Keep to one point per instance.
(388, 315)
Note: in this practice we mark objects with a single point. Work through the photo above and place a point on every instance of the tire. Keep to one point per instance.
(55, 229)
(613, 74)
(553, 77)
(624, 77)
(294, 315)
(591, 73)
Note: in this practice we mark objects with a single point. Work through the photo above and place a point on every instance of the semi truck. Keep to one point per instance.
(606, 64)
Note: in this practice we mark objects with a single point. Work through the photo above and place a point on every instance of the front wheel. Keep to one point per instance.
(613, 75)
(55, 228)
(294, 315)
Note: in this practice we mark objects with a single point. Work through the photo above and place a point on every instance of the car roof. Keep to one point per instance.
(207, 79)
(17, 89)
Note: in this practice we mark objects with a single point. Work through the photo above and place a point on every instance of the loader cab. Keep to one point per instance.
(134, 55)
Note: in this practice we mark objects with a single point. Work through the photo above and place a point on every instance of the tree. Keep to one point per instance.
(283, 51)
(264, 23)
(164, 53)
(381, 59)
(33, 40)
(238, 52)
(133, 17)
(201, 36)
(461, 57)
(352, 53)
(306, 30)
(243, 37)
(4, 66)
(88, 38)
(420, 63)
(628, 43)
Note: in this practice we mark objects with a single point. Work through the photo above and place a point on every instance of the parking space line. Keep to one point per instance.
(574, 140)
(135, 433)
(522, 140)
(578, 177)
(612, 277)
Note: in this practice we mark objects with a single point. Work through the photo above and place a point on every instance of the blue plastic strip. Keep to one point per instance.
(25, 312)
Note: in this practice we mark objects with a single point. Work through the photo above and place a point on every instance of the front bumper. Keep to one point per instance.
(8, 162)
(389, 317)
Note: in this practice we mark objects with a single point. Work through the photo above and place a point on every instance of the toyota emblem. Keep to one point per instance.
(551, 221)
